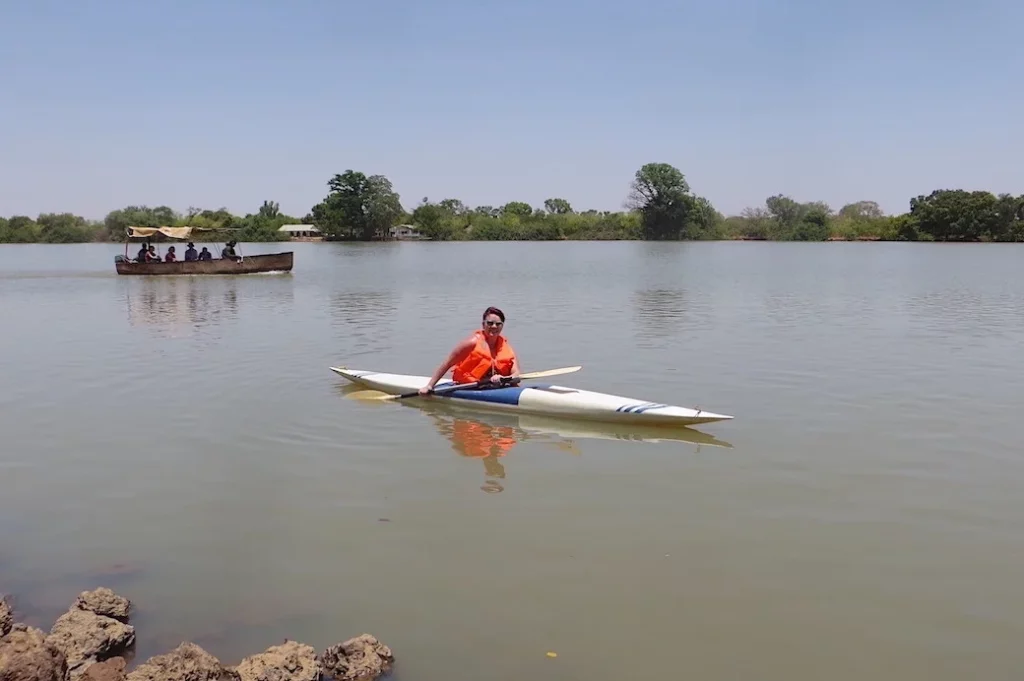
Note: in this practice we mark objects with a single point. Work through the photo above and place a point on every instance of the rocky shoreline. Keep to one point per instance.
(89, 642)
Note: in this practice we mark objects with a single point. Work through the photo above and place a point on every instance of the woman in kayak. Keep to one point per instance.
(485, 355)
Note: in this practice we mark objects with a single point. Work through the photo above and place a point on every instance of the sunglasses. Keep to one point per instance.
(490, 323)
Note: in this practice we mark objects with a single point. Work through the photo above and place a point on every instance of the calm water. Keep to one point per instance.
(183, 441)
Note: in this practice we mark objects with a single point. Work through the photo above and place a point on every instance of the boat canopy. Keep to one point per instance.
(172, 232)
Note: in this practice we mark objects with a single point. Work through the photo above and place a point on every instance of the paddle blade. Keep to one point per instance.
(550, 372)
(369, 395)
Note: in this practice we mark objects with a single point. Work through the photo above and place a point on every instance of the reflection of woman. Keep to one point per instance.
(478, 440)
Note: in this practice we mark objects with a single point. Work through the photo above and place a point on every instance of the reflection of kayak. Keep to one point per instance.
(639, 432)
(572, 429)
(541, 399)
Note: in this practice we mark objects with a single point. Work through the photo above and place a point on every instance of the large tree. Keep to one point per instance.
(520, 209)
(793, 221)
(662, 196)
(961, 215)
(440, 221)
(358, 207)
(557, 206)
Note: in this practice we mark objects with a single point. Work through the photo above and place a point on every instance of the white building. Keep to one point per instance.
(301, 231)
(405, 232)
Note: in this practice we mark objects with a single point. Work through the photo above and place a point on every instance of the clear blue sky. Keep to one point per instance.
(105, 103)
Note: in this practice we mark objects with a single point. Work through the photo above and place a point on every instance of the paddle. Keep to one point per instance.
(467, 386)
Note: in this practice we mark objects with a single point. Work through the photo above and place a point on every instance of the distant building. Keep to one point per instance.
(405, 232)
(302, 232)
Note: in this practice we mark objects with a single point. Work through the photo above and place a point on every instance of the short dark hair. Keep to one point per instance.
(494, 310)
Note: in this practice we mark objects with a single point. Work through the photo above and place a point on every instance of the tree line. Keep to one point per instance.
(216, 225)
(660, 206)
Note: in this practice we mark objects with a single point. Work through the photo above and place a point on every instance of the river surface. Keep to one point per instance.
(183, 441)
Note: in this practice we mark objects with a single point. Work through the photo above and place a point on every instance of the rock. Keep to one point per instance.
(362, 658)
(290, 661)
(108, 670)
(187, 662)
(103, 601)
(6, 616)
(85, 637)
(27, 655)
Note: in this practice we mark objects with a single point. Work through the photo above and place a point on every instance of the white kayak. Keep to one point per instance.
(539, 398)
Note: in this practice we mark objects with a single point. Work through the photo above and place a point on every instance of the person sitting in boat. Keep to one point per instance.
(190, 252)
(205, 254)
(485, 355)
(151, 255)
(143, 252)
(229, 251)
(170, 257)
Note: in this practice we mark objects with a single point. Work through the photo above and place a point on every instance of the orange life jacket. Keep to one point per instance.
(478, 362)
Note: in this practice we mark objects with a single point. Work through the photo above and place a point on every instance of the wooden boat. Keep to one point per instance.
(250, 264)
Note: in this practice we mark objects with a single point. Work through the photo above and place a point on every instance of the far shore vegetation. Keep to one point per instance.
(660, 206)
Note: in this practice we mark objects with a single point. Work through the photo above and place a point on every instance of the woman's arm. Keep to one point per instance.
(453, 358)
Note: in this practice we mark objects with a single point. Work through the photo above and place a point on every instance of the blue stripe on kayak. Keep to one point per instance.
(493, 395)
(639, 408)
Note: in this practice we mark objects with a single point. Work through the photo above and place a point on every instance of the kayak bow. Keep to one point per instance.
(541, 399)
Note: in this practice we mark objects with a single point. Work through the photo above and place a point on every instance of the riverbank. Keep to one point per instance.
(943, 215)
(94, 641)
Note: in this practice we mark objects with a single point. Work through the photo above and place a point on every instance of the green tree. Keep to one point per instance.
(662, 196)
(793, 221)
(358, 207)
(438, 221)
(861, 211)
(704, 221)
(217, 220)
(454, 206)
(20, 229)
(270, 210)
(489, 211)
(519, 209)
(118, 221)
(263, 225)
(557, 206)
(956, 215)
(64, 228)
(862, 220)
(1009, 221)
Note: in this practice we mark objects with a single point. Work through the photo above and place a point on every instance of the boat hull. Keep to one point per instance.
(542, 399)
(250, 264)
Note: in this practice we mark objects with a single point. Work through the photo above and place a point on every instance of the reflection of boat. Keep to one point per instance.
(182, 303)
(532, 425)
(250, 264)
(634, 432)
(542, 399)
(490, 436)
(529, 426)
